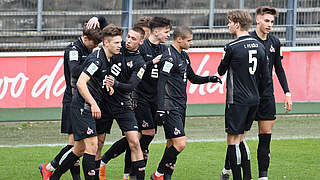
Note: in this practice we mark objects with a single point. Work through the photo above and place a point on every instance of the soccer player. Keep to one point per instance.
(74, 56)
(172, 98)
(247, 66)
(266, 115)
(143, 22)
(127, 71)
(87, 105)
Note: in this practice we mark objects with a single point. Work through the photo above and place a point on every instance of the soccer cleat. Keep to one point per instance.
(102, 173)
(224, 176)
(154, 177)
(125, 178)
(263, 178)
(44, 172)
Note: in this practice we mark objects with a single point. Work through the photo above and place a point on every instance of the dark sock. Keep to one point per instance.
(144, 143)
(234, 156)
(138, 167)
(245, 160)
(97, 163)
(127, 162)
(169, 158)
(227, 163)
(66, 164)
(263, 154)
(55, 161)
(115, 150)
(75, 170)
(88, 166)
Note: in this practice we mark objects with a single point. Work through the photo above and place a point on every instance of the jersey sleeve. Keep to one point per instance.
(138, 70)
(279, 69)
(193, 78)
(73, 57)
(225, 62)
(91, 66)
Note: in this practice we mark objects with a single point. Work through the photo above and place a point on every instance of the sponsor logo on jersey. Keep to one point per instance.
(73, 55)
(176, 131)
(92, 68)
(272, 49)
(89, 131)
(167, 67)
(145, 124)
(140, 73)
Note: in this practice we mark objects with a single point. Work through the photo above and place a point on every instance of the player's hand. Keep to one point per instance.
(95, 110)
(288, 103)
(93, 23)
(156, 59)
(110, 81)
(160, 117)
(111, 91)
(215, 79)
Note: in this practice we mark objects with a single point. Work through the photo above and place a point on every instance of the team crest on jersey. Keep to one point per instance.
(89, 131)
(176, 131)
(272, 49)
(73, 55)
(91, 173)
(130, 64)
(145, 124)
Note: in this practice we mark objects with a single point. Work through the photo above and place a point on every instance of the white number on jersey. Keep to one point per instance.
(252, 60)
(155, 72)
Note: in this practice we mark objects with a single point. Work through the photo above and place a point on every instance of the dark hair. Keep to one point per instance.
(143, 21)
(112, 30)
(242, 17)
(139, 30)
(181, 31)
(266, 10)
(157, 22)
(92, 34)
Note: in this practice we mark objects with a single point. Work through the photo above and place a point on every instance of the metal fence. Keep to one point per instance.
(33, 25)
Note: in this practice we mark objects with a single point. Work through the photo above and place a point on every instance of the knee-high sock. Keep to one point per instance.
(263, 154)
(115, 150)
(88, 166)
(75, 170)
(127, 162)
(138, 168)
(168, 160)
(144, 143)
(245, 160)
(55, 162)
(66, 162)
(234, 156)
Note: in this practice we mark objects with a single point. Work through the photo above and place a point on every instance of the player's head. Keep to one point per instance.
(265, 18)
(143, 22)
(112, 37)
(239, 20)
(182, 37)
(134, 38)
(91, 37)
(160, 28)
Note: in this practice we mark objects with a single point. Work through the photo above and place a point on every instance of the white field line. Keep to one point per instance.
(163, 141)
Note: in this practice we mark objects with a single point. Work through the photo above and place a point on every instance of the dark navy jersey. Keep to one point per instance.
(147, 88)
(175, 69)
(247, 65)
(96, 67)
(74, 56)
(272, 49)
(127, 68)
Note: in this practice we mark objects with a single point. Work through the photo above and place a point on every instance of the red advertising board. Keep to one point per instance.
(36, 79)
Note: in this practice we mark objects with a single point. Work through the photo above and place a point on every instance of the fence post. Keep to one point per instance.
(126, 17)
(241, 4)
(291, 23)
(39, 15)
(211, 14)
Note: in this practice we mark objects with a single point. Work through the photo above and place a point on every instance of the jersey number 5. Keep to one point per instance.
(253, 60)
(154, 73)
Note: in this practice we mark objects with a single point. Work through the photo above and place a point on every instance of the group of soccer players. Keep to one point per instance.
(141, 83)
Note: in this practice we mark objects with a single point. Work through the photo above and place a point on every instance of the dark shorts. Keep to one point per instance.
(83, 124)
(104, 124)
(266, 109)
(239, 118)
(174, 124)
(66, 124)
(145, 113)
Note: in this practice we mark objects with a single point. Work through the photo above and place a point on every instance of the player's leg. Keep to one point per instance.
(265, 116)
(234, 155)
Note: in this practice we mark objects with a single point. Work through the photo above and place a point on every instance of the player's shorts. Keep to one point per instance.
(83, 124)
(104, 124)
(145, 113)
(66, 124)
(266, 109)
(174, 124)
(239, 118)
(126, 121)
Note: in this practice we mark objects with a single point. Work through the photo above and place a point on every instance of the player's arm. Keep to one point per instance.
(225, 62)
(97, 21)
(282, 79)
(196, 79)
(85, 76)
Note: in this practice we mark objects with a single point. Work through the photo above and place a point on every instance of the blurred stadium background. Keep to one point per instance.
(43, 25)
